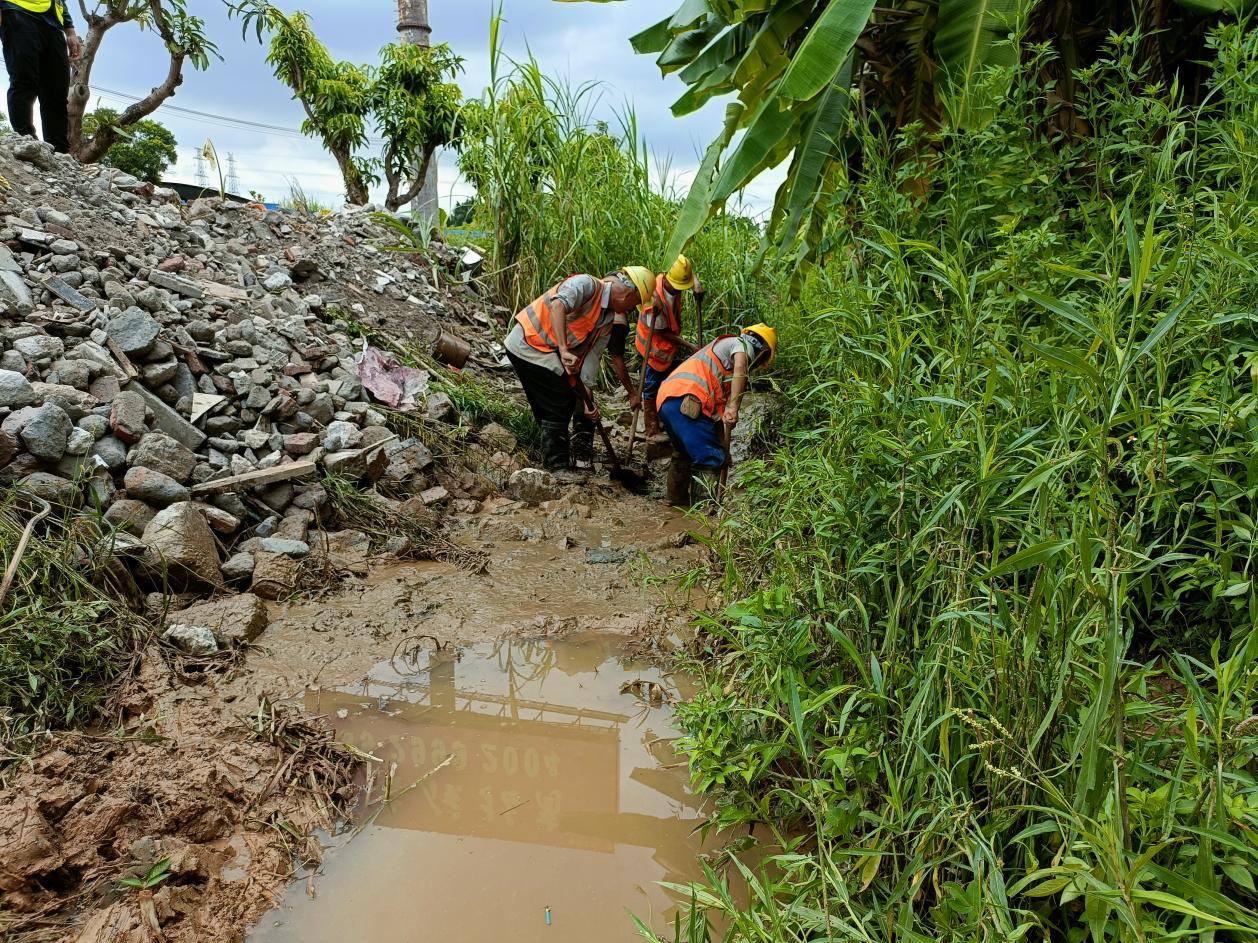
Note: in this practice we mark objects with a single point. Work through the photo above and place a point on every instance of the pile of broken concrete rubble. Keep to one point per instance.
(182, 366)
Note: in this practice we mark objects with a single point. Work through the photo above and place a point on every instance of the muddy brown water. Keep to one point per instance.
(560, 805)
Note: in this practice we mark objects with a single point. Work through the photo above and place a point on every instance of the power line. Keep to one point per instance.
(258, 126)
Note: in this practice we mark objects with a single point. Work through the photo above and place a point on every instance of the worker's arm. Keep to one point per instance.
(559, 328)
(670, 338)
(737, 387)
(616, 347)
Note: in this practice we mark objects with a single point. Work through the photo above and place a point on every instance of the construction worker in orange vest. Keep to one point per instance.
(660, 328)
(561, 335)
(700, 399)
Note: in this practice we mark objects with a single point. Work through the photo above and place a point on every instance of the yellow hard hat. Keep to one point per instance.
(766, 334)
(682, 275)
(643, 279)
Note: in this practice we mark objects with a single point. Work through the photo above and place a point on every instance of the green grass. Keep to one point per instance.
(65, 635)
(992, 654)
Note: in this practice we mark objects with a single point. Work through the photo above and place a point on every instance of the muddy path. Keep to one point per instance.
(244, 778)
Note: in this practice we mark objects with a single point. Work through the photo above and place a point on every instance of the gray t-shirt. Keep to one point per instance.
(725, 349)
(576, 293)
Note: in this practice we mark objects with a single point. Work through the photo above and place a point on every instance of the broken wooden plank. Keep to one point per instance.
(123, 360)
(62, 289)
(224, 292)
(254, 479)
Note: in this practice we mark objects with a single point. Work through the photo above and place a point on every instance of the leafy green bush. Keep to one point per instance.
(995, 656)
(144, 149)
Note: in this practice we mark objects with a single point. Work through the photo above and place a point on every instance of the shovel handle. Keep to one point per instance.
(633, 424)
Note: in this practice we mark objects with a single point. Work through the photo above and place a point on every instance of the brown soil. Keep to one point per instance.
(231, 792)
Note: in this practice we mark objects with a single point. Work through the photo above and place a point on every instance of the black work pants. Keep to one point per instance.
(556, 407)
(38, 62)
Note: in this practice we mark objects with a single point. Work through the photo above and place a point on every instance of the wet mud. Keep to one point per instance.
(529, 790)
(539, 677)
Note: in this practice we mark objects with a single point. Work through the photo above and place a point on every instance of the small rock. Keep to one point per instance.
(434, 495)
(160, 452)
(127, 416)
(191, 639)
(40, 347)
(180, 541)
(301, 443)
(51, 488)
(498, 438)
(441, 408)
(80, 442)
(238, 568)
(154, 487)
(112, 451)
(277, 282)
(15, 390)
(533, 486)
(135, 331)
(341, 436)
(34, 152)
(605, 556)
(130, 515)
(274, 575)
(47, 432)
(236, 620)
(293, 548)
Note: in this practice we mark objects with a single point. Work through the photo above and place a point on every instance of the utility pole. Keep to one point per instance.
(413, 28)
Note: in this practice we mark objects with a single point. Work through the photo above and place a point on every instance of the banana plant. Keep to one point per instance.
(797, 67)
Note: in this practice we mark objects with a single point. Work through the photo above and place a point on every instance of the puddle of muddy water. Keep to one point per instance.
(562, 806)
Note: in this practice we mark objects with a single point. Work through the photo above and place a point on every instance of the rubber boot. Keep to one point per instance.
(705, 483)
(680, 478)
(583, 449)
(555, 450)
(650, 419)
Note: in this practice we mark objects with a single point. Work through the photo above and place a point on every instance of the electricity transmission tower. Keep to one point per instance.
(413, 28)
(202, 176)
(233, 178)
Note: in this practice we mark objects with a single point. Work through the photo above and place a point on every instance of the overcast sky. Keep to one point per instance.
(583, 42)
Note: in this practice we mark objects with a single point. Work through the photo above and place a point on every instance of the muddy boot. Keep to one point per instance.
(583, 450)
(705, 483)
(650, 420)
(680, 477)
(555, 451)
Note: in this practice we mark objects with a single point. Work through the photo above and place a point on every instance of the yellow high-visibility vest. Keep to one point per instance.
(43, 6)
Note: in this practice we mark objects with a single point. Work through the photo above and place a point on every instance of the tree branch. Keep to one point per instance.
(418, 183)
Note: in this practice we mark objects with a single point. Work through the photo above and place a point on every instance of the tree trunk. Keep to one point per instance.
(413, 28)
(93, 149)
(394, 200)
(355, 190)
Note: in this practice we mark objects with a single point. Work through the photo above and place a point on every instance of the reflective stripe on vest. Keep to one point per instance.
(43, 6)
(586, 328)
(704, 376)
(662, 351)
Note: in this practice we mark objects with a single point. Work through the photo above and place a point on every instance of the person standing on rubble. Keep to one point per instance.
(562, 335)
(39, 43)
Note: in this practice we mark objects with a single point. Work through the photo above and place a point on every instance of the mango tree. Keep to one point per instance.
(183, 36)
(406, 98)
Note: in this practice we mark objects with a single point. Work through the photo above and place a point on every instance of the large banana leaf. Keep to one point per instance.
(825, 48)
(698, 204)
(973, 35)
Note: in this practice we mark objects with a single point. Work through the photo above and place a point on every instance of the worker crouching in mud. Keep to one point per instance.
(659, 339)
(561, 336)
(699, 401)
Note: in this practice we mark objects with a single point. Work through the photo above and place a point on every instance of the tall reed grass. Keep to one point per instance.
(562, 192)
(993, 658)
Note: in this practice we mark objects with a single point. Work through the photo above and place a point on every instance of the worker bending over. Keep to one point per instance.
(659, 339)
(560, 337)
(701, 396)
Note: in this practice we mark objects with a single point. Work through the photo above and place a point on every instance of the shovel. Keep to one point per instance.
(633, 424)
(630, 479)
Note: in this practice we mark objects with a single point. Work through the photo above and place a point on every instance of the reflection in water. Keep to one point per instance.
(561, 793)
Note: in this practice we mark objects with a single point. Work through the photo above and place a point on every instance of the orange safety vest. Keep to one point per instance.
(662, 351)
(43, 6)
(582, 330)
(704, 376)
